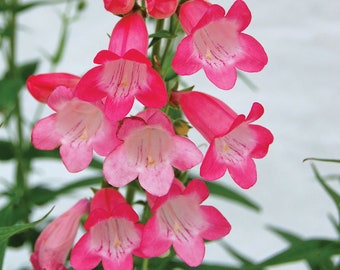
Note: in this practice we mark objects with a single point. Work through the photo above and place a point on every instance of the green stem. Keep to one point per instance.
(130, 194)
(157, 46)
(145, 264)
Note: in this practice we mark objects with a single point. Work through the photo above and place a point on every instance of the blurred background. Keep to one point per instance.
(299, 88)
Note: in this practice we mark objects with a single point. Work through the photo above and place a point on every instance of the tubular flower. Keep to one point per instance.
(77, 126)
(148, 150)
(113, 234)
(161, 9)
(234, 141)
(215, 42)
(180, 220)
(119, 7)
(41, 86)
(56, 240)
(124, 72)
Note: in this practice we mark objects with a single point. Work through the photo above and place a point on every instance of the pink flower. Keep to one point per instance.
(148, 150)
(41, 86)
(234, 141)
(215, 42)
(78, 126)
(112, 236)
(161, 9)
(124, 72)
(119, 7)
(55, 242)
(180, 220)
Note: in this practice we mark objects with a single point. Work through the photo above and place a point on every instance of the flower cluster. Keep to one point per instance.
(91, 114)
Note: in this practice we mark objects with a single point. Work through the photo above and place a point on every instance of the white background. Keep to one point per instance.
(299, 88)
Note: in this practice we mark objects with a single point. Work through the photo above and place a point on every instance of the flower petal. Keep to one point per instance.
(186, 60)
(153, 94)
(192, 252)
(157, 179)
(240, 14)
(129, 33)
(59, 97)
(119, 7)
(210, 116)
(90, 87)
(186, 154)
(218, 225)
(243, 173)
(117, 109)
(223, 75)
(191, 13)
(117, 169)
(212, 166)
(76, 156)
(44, 136)
(41, 86)
(252, 56)
(82, 257)
(153, 242)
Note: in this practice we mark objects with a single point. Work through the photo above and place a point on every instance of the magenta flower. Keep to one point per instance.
(124, 72)
(161, 9)
(77, 126)
(148, 150)
(41, 86)
(119, 7)
(113, 234)
(234, 141)
(56, 240)
(215, 42)
(180, 220)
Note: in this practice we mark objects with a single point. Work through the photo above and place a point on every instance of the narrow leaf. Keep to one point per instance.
(229, 194)
(8, 231)
(314, 250)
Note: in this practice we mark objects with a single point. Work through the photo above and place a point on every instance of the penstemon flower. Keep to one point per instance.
(41, 86)
(119, 7)
(124, 73)
(215, 42)
(79, 127)
(148, 150)
(234, 141)
(113, 234)
(56, 240)
(161, 9)
(180, 220)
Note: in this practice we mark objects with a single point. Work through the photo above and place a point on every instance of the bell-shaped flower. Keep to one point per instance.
(124, 72)
(216, 43)
(148, 150)
(234, 141)
(161, 9)
(119, 7)
(180, 220)
(56, 240)
(78, 127)
(113, 234)
(41, 86)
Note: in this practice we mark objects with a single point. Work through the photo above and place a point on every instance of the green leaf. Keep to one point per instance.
(316, 251)
(9, 89)
(27, 69)
(8, 231)
(6, 150)
(288, 236)
(334, 195)
(41, 195)
(237, 255)
(229, 194)
(162, 34)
